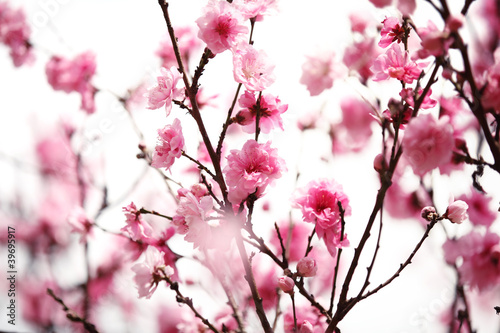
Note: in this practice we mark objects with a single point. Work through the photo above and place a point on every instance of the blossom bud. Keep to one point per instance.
(457, 212)
(199, 190)
(429, 213)
(306, 327)
(306, 267)
(378, 163)
(286, 284)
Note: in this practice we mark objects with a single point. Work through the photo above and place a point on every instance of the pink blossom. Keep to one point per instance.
(15, 33)
(221, 26)
(306, 267)
(165, 91)
(381, 3)
(434, 41)
(298, 240)
(395, 64)
(355, 128)
(269, 108)
(265, 277)
(455, 22)
(480, 258)
(56, 157)
(306, 316)
(306, 327)
(479, 210)
(406, 7)
(409, 96)
(150, 272)
(74, 75)
(404, 204)
(428, 143)
(359, 22)
(318, 72)
(137, 229)
(169, 145)
(457, 212)
(187, 42)
(286, 284)
(256, 8)
(391, 32)
(491, 95)
(251, 169)
(252, 67)
(80, 223)
(359, 57)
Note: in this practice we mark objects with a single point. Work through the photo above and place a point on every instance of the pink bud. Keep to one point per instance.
(199, 190)
(306, 267)
(429, 213)
(457, 212)
(306, 327)
(378, 163)
(286, 284)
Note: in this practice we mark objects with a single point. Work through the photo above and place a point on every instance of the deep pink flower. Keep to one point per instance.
(150, 272)
(169, 146)
(298, 240)
(428, 143)
(395, 64)
(15, 33)
(252, 67)
(480, 258)
(252, 169)
(479, 210)
(137, 229)
(286, 284)
(457, 212)
(408, 95)
(187, 41)
(221, 26)
(391, 32)
(255, 8)
(74, 74)
(270, 109)
(318, 72)
(166, 90)
(306, 267)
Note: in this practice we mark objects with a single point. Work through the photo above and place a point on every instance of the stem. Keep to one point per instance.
(71, 315)
(152, 212)
(200, 165)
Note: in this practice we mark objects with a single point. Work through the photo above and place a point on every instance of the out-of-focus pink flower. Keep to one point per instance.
(479, 210)
(74, 74)
(298, 240)
(428, 143)
(306, 327)
(187, 42)
(491, 95)
(256, 8)
(457, 212)
(381, 3)
(406, 7)
(395, 64)
(226, 319)
(319, 202)
(221, 26)
(359, 22)
(480, 267)
(15, 33)
(56, 157)
(80, 223)
(391, 32)
(455, 22)
(460, 118)
(404, 204)
(318, 72)
(434, 41)
(169, 146)
(166, 90)
(265, 277)
(357, 118)
(306, 267)
(252, 169)
(137, 229)
(306, 316)
(359, 57)
(408, 95)
(286, 284)
(270, 109)
(252, 67)
(150, 272)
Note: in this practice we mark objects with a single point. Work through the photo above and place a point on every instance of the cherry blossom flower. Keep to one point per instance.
(169, 146)
(434, 41)
(269, 108)
(150, 272)
(395, 64)
(252, 67)
(256, 8)
(187, 41)
(15, 33)
(318, 72)
(80, 223)
(251, 169)
(359, 57)
(74, 75)
(480, 258)
(165, 91)
(457, 212)
(391, 32)
(137, 229)
(428, 143)
(221, 26)
(408, 95)
(479, 210)
(306, 267)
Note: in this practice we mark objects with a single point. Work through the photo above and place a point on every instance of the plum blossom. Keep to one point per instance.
(252, 67)
(480, 254)
(269, 107)
(391, 32)
(319, 202)
(187, 42)
(137, 229)
(221, 26)
(306, 267)
(251, 169)
(318, 72)
(428, 143)
(256, 8)
(359, 57)
(150, 272)
(15, 33)
(434, 41)
(457, 212)
(479, 210)
(74, 75)
(169, 146)
(165, 91)
(394, 63)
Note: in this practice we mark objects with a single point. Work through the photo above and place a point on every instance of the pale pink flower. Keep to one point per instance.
(225, 318)
(306, 267)
(306, 327)
(252, 67)
(270, 109)
(391, 32)
(15, 33)
(150, 272)
(434, 41)
(404, 204)
(355, 128)
(359, 22)
(286, 284)
(56, 157)
(256, 8)
(408, 95)
(428, 143)
(221, 26)
(137, 229)
(457, 212)
(264, 279)
(406, 7)
(187, 41)
(359, 57)
(251, 169)
(491, 95)
(307, 316)
(479, 210)
(80, 223)
(298, 240)
(318, 72)
(169, 145)
(166, 90)
(74, 74)
(479, 266)
(395, 64)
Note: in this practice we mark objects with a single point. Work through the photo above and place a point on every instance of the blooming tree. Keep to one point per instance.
(240, 215)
